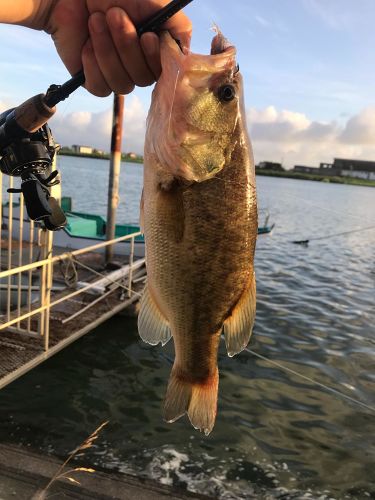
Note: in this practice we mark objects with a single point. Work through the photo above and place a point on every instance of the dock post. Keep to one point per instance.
(114, 172)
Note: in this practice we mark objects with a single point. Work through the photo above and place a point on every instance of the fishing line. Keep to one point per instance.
(305, 377)
(173, 98)
(305, 242)
(319, 384)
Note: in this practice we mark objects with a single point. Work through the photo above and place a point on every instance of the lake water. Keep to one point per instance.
(276, 435)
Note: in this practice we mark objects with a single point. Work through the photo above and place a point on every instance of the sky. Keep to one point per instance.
(308, 68)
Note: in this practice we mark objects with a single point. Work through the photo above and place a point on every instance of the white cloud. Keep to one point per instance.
(262, 21)
(293, 138)
(277, 135)
(360, 129)
(94, 129)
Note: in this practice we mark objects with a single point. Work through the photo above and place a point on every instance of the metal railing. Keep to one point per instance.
(33, 261)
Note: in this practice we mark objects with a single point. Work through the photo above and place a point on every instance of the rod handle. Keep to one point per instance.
(33, 113)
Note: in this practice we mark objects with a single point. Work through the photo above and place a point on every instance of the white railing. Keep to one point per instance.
(20, 299)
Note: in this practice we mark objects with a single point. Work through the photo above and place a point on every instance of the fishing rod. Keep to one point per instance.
(27, 147)
(60, 92)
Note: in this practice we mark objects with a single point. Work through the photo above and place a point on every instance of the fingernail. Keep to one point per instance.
(98, 22)
(116, 17)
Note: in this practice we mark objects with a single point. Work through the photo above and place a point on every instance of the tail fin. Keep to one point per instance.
(198, 400)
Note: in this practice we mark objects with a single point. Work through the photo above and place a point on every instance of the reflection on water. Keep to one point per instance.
(276, 435)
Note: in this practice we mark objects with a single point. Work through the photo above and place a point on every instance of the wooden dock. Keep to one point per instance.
(75, 313)
(51, 296)
(23, 474)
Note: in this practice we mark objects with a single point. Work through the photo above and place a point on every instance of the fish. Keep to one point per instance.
(199, 218)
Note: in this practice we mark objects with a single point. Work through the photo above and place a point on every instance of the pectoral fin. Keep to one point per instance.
(238, 326)
(153, 327)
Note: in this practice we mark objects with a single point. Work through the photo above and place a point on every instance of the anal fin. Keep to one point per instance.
(238, 326)
(153, 327)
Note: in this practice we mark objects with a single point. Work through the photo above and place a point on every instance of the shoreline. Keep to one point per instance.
(354, 181)
(100, 157)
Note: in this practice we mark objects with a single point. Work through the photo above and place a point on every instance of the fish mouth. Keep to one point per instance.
(222, 54)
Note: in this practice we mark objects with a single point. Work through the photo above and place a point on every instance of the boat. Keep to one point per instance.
(83, 230)
(266, 228)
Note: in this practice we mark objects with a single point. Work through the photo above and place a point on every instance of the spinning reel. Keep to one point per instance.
(27, 150)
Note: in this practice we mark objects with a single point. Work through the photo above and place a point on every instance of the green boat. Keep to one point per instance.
(83, 230)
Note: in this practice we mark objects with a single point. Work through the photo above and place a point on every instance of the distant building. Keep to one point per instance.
(270, 165)
(324, 166)
(361, 169)
(305, 170)
(323, 169)
(328, 169)
(82, 149)
(133, 156)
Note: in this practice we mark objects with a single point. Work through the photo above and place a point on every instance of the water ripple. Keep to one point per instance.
(276, 435)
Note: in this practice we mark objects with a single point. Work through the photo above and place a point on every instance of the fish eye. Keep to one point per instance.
(226, 93)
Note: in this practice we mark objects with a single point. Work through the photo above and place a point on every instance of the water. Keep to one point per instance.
(276, 435)
(86, 182)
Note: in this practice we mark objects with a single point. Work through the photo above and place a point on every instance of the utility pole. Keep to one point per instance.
(114, 172)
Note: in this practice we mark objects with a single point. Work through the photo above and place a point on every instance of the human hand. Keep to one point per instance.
(100, 36)
(114, 58)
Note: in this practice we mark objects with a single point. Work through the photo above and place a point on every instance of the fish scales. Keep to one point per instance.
(200, 240)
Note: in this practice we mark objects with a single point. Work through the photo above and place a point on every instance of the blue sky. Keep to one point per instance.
(308, 67)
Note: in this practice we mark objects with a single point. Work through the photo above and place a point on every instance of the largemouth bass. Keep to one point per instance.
(199, 217)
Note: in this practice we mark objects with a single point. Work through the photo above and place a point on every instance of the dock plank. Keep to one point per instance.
(21, 352)
(23, 473)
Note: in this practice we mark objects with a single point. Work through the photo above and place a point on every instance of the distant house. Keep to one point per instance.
(82, 149)
(361, 169)
(325, 166)
(323, 169)
(328, 169)
(270, 165)
(305, 170)
(133, 156)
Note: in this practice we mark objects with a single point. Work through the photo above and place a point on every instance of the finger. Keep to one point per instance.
(128, 47)
(180, 28)
(106, 56)
(179, 25)
(151, 50)
(95, 82)
(68, 27)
